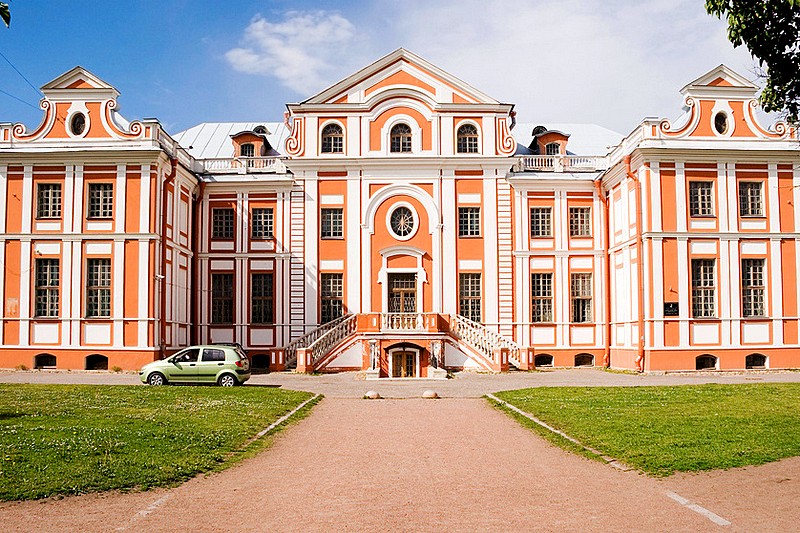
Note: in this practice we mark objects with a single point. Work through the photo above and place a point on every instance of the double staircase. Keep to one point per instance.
(488, 348)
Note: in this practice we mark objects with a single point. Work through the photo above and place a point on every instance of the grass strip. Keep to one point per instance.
(662, 430)
(73, 439)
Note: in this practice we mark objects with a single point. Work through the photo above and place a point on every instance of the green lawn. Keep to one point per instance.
(71, 439)
(662, 430)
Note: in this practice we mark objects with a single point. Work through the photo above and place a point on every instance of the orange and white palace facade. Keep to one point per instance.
(402, 223)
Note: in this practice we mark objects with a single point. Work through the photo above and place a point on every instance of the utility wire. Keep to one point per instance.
(18, 99)
(21, 74)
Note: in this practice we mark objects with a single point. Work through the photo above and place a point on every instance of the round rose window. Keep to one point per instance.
(402, 221)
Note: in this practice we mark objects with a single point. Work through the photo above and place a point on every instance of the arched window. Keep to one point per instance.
(755, 361)
(552, 149)
(400, 139)
(96, 361)
(247, 150)
(332, 139)
(705, 362)
(584, 359)
(44, 360)
(543, 360)
(467, 139)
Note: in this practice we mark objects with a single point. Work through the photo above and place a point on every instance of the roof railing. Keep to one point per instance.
(562, 163)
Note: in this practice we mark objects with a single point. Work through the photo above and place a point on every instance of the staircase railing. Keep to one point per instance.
(402, 321)
(482, 339)
(290, 351)
(331, 338)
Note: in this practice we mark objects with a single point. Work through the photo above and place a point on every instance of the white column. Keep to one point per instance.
(311, 247)
(449, 234)
(119, 200)
(77, 284)
(732, 198)
(724, 293)
(655, 188)
(658, 291)
(353, 232)
(734, 293)
(773, 199)
(721, 190)
(491, 283)
(680, 196)
(777, 286)
(118, 283)
(684, 295)
(77, 213)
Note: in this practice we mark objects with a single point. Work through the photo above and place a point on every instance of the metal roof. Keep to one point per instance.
(211, 140)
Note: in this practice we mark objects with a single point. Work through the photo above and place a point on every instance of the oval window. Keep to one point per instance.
(77, 124)
(402, 221)
(721, 123)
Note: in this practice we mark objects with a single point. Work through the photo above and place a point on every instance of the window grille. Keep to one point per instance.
(101, 200)
(542, 297)
(552, 149)
(247, 150)
(47, 275)
(400, 138)
(98, 288)
(332, 222)
(469, 296)
(581, 296)
(703, 289)
(751, 203)
(262, 298)
(540, 222)
(262, 221)
(580, 221)
(331, 294)
(467, 139)
(332, 139)
(222, 298)
(469, 221)
(48, 200)
(701, 198)
(222, 223)
(753, 288)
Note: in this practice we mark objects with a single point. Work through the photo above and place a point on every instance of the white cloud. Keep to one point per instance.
(301, 50)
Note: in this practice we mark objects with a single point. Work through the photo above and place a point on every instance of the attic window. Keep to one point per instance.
(247, 150)
(332, 139)
(467, 139)
(77, 124)
(721, 123)
(552, 149)
(400, 138)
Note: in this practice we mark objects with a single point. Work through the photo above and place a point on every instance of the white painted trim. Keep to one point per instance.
(414, 215)
(28, 201)
(390, 356)
(491, 254)
(776, 307)
(684, 294)
(118, 288)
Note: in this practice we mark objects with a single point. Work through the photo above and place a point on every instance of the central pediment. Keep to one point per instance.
(401, 72)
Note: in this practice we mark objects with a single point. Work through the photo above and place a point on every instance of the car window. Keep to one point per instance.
(187, 356)
(213, 354)
(241, 354)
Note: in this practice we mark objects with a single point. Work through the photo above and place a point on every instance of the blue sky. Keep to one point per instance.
(185, 62)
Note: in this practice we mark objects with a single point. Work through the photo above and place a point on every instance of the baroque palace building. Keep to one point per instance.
(401, 222)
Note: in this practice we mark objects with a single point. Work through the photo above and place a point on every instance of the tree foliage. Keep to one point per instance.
(5, 14)
(771, 31)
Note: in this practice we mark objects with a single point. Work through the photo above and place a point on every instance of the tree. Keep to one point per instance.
(5, 14)
(771, 31)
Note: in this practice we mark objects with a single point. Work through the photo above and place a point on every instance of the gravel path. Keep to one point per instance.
(425, 465)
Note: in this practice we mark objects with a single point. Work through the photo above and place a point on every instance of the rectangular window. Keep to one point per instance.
(247, 150)
(101, 200)
(703, 289)
(332, 223)
(469, 221)
(753, 288)
(701, 199)
(222, 298)
(581, 297)
(540, 222)
(222, 223)
(98, 288)
(331, 295)
(542, 297)
(469, 296)
(48, 197)
(47, 287)
(751, 203)
(261, 226)
(261, 299)
(580, 221)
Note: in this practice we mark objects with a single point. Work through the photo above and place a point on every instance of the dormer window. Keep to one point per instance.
(552, 149)
(400, 139)
(467, 139)
(247, 150)
(332, 139)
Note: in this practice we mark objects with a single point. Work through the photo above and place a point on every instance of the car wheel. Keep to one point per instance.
(226, 380)
(156, 378)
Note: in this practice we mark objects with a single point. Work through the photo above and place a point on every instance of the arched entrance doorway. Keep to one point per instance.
(404, 362)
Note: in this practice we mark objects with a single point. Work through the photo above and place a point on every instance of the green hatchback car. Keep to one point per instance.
(225, 365)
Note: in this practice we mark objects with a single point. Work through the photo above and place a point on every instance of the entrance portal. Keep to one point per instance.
(404, 364)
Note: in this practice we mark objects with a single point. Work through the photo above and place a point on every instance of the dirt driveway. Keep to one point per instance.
(427, 465)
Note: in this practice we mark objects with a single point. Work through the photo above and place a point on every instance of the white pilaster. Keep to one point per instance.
(680, 196)
(777, 286)
(684, 296)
